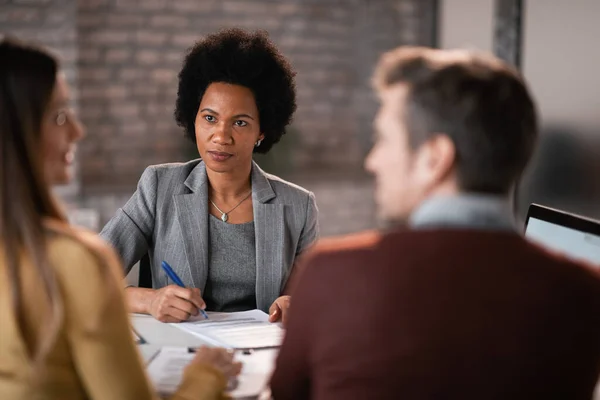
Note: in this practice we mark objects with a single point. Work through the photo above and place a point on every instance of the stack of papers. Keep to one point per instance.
(166, 371)
(239, 330)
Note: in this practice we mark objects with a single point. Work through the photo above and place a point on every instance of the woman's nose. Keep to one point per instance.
(222, 135)
(76, 128)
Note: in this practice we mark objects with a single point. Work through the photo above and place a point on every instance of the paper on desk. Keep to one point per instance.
(148, 352)
(238, 330)
(166, 370)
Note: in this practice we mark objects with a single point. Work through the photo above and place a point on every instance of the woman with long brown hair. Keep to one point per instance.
(64, 331)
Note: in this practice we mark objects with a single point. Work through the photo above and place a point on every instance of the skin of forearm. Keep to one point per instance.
(138, 299)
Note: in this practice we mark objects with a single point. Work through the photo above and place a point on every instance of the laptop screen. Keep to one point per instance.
(574, 236)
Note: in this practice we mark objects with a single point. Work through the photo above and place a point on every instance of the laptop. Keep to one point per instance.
(575, 236)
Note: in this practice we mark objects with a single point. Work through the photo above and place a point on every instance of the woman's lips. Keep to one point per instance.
(219, 156)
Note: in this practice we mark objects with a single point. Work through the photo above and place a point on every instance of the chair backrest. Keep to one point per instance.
(145, 273)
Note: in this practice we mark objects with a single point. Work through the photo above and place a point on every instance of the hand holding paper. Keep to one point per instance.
(220, 359)
(166, 370)
(279, 309)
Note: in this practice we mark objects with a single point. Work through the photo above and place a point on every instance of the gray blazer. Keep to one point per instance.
(167, 217)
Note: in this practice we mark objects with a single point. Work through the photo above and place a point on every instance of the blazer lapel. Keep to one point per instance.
(192, 214)
(269, 234)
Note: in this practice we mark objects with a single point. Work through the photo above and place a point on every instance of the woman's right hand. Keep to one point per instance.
(175, 304)
(220, 359)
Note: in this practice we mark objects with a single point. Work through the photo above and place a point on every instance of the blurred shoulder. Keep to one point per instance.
(344, 250)
(333, 257)
(578, 270)
(68, 245)
(356, 242)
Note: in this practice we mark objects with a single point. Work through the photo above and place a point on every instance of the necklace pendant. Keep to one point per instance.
(224, 217)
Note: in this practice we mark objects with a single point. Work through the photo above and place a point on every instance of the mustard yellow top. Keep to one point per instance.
(94, 356)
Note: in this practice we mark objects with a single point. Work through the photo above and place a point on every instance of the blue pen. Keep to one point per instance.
(173, 276)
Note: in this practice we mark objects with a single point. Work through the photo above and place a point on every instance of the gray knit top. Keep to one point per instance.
(231, 283)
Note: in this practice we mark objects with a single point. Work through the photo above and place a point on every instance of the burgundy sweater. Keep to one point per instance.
(444, 314)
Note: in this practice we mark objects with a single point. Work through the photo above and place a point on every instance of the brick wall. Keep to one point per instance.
(124, 56)
(381, 26)
(130, 53)
(51, 23)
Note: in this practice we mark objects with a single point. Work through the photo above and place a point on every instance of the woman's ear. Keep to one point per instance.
(259, 140)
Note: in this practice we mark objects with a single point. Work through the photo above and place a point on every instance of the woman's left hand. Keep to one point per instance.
(279, 309)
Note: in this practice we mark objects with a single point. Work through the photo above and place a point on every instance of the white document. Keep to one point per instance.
(238, 330)
(148, 352)
(166, 371)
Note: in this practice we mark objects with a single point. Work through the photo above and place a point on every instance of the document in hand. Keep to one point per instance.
(166, 371)
(238, 330)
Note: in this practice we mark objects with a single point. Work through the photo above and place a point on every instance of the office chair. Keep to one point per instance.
(145, 273)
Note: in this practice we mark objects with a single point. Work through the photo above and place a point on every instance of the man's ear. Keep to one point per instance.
(437, 158)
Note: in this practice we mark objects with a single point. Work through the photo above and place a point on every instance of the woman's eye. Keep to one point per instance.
(210, 118)
(240, 123)
(61, 118)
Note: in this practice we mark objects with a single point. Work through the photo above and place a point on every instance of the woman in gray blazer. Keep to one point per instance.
(230, 231)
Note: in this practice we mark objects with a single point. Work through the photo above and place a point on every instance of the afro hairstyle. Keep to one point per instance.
(241, 58)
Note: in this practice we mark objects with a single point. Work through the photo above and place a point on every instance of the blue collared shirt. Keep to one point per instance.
(464, 211)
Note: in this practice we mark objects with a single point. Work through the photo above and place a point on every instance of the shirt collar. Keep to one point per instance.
(467, 211)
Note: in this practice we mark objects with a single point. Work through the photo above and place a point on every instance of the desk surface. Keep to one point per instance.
(157, 334)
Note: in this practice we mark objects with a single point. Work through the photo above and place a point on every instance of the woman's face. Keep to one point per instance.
(60, 131)
(227, 127)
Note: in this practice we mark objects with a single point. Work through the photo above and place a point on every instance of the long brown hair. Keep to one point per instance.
(27, 80)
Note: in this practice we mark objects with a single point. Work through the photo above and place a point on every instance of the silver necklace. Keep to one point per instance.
(224, 215)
